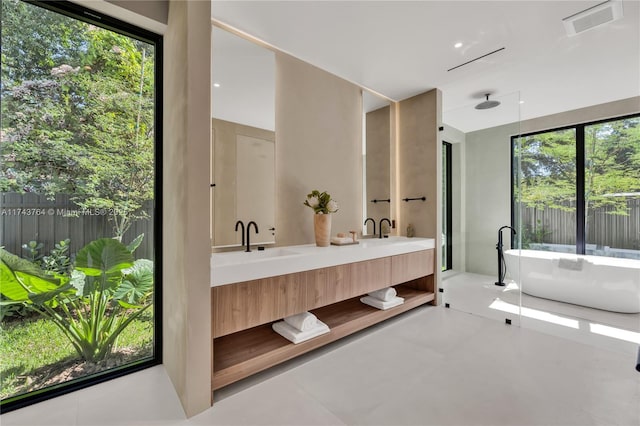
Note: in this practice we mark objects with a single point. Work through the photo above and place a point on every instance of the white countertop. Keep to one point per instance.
(239, 266)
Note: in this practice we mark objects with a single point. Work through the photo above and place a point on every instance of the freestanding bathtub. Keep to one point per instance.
(608, 283)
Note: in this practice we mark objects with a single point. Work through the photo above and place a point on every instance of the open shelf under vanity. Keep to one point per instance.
(240, 351)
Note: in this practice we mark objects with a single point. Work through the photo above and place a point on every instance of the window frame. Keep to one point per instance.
(581, 238)
(90, 16)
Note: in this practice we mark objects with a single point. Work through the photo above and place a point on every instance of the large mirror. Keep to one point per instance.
(377, 160)
(243, 139)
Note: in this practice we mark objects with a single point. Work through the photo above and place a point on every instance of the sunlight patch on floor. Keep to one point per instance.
(616, 333)
(534, 313)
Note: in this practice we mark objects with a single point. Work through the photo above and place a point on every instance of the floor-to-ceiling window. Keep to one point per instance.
(579, 188)
(447, 208)
(79, 199)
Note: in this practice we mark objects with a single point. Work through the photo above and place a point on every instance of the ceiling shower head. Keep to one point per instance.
(487, 104)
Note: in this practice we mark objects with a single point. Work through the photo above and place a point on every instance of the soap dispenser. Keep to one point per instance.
(410, 231)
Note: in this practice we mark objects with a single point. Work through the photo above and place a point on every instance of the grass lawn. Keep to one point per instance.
(28, 345)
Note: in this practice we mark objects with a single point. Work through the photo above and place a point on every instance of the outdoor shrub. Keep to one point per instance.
(58, 260)
(104, 292)
(33, 250)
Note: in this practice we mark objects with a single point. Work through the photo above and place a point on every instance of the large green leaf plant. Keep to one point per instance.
(104, 292)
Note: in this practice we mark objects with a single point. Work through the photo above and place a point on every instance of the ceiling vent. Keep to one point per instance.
(593, 17)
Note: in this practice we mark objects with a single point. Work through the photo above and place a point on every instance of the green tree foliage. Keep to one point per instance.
(78, 113)
(612, 167)
(548, 169)
(54, 40)
(612, 164)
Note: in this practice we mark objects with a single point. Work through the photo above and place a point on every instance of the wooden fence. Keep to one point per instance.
(603, 228)
(26, 217)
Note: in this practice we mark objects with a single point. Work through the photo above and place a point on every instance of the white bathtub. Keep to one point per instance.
(608, 283)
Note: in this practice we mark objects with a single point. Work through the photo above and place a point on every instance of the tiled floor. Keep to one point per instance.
(431, 366)
(478, 295)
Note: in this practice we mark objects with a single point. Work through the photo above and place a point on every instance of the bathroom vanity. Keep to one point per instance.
(252, 290)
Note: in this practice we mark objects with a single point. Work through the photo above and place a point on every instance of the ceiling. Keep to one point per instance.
(400, 49)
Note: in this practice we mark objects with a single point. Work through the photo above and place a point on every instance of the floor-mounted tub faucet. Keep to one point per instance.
(502, 267)
(380, 224)
(242, 225)
(372, 221)
(255, 226)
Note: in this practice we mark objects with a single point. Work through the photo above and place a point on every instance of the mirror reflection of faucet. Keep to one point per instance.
(242, 225)
(374, 224)
(380, 224)
(255, 226)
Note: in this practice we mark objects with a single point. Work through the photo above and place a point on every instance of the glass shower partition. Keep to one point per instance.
(482, 199)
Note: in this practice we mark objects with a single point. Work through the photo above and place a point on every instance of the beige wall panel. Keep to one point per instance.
(419, 168)
(319, 146)
(186, 271)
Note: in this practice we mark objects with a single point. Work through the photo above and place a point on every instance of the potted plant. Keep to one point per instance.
(322, 206)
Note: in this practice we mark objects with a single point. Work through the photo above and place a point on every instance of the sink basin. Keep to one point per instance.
(274, 252)
(240, 257)
(376, 242)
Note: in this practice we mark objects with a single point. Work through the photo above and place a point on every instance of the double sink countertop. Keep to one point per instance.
(234, 267)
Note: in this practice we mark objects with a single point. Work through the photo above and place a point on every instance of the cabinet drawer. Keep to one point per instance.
(248, 304)
(407, 267)
(370, 275)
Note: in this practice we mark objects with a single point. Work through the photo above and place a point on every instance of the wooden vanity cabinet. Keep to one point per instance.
(242, 313)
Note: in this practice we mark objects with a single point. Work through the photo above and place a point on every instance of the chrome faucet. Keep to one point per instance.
(374, 224)
(382, 220)
(255, 226)
(242, 225)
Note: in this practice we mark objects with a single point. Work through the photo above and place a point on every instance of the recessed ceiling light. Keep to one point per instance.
(458, 45)
(216, 84)
(521, 102)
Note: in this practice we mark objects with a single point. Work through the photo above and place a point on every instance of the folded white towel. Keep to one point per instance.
(377, 303)
(302, 322)
(296, 336)
(384, 294)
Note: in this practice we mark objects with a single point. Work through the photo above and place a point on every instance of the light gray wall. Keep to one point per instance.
(583, 115)
(487, 194)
